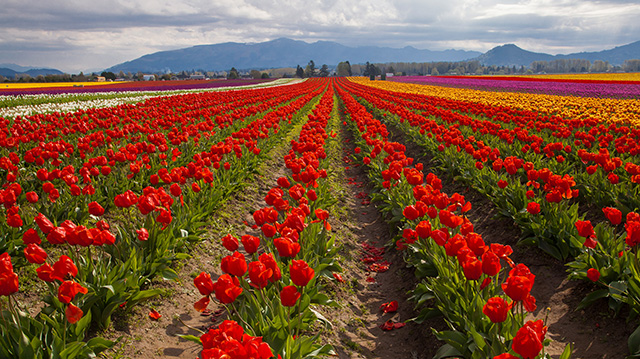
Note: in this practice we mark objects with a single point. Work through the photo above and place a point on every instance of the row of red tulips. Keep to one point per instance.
(466, 147)
(476, 287)
(269, 287)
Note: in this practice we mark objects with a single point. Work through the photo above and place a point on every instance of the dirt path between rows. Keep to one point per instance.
(365, 235)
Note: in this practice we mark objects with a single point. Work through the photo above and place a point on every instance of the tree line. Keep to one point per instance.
(345, 68)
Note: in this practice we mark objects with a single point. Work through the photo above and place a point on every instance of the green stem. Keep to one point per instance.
(14, 312)
(299, 312)
(290, 342)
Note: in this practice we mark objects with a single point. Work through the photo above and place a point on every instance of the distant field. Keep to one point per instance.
(35, 85)
(634, 76)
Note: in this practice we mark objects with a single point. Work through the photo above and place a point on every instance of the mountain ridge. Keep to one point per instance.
(512, 55)
(282, 52)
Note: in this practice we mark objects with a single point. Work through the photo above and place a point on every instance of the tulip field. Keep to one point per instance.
(107, 198)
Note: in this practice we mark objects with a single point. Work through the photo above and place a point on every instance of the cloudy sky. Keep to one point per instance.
(81, 35)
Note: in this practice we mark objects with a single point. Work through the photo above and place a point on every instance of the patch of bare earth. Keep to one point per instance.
(363, 233)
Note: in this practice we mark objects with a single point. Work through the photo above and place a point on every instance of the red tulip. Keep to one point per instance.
(230, 243)
(227, 288)
(234, 264)
(31, 236)
(143, 234)
(35, 254)
(613, 215)
(269, 261)
(286, 247)
(32, 197)
(289, 296)
(533, 208)
(8, 278)
(593, 274)
(64, 268)
(300, 272)
(96, 209)
(203, 283)
(389, 307)
(490, 264)
(68, 290)
(528, 341)
(496, 309)
(585, 229)
(73, 314)
(472, 268)
(250, 243)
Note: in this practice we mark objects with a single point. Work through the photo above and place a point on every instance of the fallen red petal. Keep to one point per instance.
(153, 314)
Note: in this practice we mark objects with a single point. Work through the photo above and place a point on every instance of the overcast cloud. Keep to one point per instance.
(80, 35)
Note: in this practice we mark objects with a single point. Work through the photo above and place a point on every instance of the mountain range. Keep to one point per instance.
(11, 70)
(285, 52)
(512, 55)
(279, 53)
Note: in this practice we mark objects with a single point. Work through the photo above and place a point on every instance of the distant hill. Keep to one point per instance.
(512, 55)
(279, 53)
(615, 56)
(10, 70)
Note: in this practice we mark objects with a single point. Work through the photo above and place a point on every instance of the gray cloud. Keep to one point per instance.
(76, 35)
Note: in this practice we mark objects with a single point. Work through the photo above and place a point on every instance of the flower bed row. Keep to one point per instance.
(483, 300)
(571, 107)
(270, 287)
(529, 85)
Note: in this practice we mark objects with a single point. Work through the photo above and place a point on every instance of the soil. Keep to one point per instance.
(356, 331)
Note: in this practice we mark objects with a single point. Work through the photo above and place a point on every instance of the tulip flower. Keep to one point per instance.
(289, 296)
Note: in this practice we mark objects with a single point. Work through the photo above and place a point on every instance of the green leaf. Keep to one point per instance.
(592, 297)
(321, 317)
(142, 295)
(478, 339)
(566, 354)
(25, 349)
(634, 342)
(447, 351)
(191, 338)
(98, 344)
(169, 274)
(82, 324)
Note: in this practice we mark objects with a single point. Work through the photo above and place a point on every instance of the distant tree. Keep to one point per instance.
(391, 70)
(632, 65)
(434, 71)
(79, 77)
(264, 75)
(233, 74)
(367, 69)
(300, 72)
(255, 74)
(324, 70)
(310, 70)
(343, 69)
(108, 75)
(600, 66)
